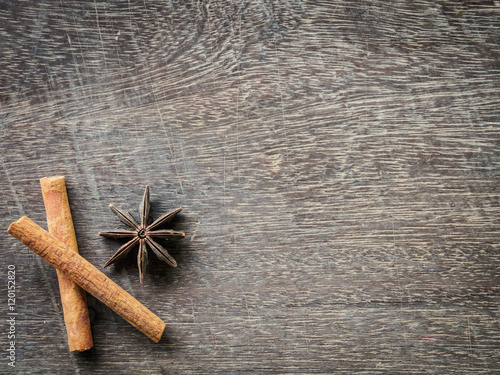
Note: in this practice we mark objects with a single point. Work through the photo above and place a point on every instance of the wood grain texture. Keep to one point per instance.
(337, 163)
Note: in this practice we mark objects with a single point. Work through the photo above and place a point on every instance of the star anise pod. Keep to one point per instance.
(143, 234)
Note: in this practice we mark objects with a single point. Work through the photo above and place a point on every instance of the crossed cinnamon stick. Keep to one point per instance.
(73, 298)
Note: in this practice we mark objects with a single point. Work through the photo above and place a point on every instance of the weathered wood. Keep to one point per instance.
(337, 163)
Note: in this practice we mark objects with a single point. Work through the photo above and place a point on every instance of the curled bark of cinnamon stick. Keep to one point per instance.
(87, 276)
(73, 298)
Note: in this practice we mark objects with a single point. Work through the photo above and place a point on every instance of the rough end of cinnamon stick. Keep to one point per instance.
(48, 180)
(12, 227)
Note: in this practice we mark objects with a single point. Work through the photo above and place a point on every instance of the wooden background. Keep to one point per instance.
(337, 162)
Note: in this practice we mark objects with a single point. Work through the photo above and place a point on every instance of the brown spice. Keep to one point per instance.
(143, 235)
(87, 276)
(73, 298)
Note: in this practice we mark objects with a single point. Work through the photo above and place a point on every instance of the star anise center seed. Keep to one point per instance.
(142, 233)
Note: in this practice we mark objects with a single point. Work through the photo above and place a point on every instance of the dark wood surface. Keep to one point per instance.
(337, 162)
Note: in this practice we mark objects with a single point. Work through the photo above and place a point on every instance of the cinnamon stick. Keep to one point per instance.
(73, 298)
(87, 276)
